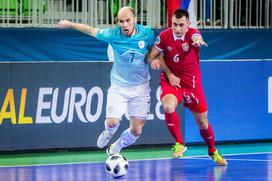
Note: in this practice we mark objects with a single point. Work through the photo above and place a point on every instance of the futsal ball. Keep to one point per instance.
(116, 165)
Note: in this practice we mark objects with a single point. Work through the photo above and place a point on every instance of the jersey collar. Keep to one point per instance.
(177, 38)
(181, 38)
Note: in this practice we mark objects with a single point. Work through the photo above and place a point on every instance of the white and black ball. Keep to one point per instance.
(116, 165)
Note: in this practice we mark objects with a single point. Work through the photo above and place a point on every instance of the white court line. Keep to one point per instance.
(233, 154)
(255, 153)
(232, 159)
(203, 157)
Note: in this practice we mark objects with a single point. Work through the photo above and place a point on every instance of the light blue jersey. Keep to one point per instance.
(129, 67)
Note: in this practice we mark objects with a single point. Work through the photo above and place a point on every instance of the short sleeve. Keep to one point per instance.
(158, 43)
(194, 33)
(105, 34)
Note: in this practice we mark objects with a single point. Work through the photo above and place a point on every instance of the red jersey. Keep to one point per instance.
(180, 56)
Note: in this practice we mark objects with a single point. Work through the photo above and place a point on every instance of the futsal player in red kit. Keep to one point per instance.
(176, 51)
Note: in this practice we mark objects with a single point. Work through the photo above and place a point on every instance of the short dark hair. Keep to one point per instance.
(179, 13)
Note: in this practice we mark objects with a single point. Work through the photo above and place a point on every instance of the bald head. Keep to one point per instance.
(127, 20)
(126, 10)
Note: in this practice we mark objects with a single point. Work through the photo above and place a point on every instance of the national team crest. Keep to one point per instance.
(141, 44)
(185, 47)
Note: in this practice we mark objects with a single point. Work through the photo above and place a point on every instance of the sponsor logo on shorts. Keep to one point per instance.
(110, 109)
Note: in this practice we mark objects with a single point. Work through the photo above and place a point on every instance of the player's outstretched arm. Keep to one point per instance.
(78, 26)
(198, 41)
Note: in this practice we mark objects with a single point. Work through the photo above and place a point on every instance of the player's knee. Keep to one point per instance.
(136, 131)
(111, 122)
(168, 108)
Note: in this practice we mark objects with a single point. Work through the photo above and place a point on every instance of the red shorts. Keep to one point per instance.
(193, 99)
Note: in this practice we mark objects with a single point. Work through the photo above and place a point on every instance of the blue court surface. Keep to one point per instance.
(241, 167)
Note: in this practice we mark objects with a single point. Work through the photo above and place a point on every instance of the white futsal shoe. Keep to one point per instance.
(103, 139)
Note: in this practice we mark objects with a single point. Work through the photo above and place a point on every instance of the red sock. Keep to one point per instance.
(208, 137)
(173, 124)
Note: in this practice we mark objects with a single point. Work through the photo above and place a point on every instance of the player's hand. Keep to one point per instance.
(199, 43)
(174, 80)
(155, 64)
(64, 24)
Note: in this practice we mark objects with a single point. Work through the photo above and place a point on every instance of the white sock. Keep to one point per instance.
(111, 130)
(126, 139)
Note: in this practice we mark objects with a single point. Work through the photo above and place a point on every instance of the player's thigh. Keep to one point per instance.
(139, 106)
(170, 94)
(116, 104)
(195, 100)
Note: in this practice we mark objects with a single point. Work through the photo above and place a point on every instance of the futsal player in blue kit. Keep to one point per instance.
(129, 90)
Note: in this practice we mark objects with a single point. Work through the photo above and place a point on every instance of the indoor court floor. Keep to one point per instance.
(245, 162)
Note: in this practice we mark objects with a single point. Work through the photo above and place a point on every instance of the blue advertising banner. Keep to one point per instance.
(49, 44)
(237, 44)
(62, 105)
(237, 96)
(5, 83)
